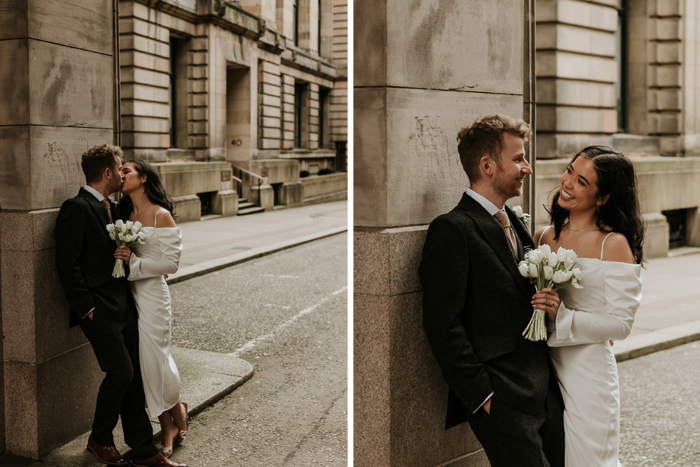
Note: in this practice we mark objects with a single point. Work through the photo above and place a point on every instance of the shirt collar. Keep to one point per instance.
(94, 192)
(486, 204)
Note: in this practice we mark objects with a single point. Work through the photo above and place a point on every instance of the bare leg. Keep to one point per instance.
(169, 431)
(179, 416)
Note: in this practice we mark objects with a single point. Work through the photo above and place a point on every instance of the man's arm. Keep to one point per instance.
(69, 234)
(444, 273)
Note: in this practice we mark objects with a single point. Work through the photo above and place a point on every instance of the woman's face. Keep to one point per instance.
(132, 180)
(578, 190)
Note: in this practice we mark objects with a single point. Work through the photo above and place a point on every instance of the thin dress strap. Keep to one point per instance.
(155, 220)
(603, 245)
(542, 236)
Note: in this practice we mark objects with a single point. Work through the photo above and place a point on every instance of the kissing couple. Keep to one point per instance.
(126, 319)
(546, 403)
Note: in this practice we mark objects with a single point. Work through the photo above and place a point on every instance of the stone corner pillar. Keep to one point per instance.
(416, 85)
(58, 101)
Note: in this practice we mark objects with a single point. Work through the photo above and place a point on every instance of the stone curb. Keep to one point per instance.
(207, 377)
(655, 341)
(206, 267)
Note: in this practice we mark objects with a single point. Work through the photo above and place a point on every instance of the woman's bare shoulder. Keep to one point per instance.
(548, 235)
(617, 248)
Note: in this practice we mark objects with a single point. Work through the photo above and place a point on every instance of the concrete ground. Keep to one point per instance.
(670, 310)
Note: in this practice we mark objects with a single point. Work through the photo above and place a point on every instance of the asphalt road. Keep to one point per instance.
(660, 408)
(287, 315)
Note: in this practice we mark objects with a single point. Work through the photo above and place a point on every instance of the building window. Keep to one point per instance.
(296, 22)
(177, 92)
(621, 57)
(319, 26)
(323, 117)
(301, 113)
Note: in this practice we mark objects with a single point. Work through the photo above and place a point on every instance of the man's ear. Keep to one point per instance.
(486, 165)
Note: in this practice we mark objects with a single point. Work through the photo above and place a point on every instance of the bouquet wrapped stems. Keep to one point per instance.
(124, 234)
(545, 269)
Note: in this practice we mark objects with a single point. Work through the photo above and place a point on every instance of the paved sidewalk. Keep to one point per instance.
(209, 246)
(670, 310)
(218, 243)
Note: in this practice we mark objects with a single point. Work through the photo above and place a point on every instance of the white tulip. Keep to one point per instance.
(141, 235)
(518, 210)
(578, 275)
(548, 273)
(111, 235)
(129, 225)
(524, 269)
(535, 257)
(137, 225)
(546, 250)
(553, 260)
(571, 254)
(562, 254)
(559, 277)
(110, 228)
(569, 274)
(568, 263)
(576, 285)
(533, 270)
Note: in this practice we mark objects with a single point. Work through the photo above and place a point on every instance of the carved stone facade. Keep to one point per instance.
(234, 81)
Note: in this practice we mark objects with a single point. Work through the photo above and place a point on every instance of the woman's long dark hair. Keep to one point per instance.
(621, 213)
(153, 188)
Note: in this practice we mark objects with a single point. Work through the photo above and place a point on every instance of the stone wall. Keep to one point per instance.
(416, 84)
(58, 84)
(576, 75)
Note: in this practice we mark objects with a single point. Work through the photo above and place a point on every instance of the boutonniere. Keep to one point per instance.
(523, 216)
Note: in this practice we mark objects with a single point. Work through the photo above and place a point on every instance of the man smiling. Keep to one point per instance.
(476, 305)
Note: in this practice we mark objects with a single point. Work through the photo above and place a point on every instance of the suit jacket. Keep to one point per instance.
(475, 307)
(85, 259)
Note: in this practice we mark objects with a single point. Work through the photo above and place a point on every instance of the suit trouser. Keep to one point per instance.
(116, 346)
(510, 437)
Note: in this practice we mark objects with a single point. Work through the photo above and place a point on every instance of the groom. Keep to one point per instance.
(105, 310)
(476, 306)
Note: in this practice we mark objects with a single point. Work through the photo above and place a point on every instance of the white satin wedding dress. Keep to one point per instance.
(584, 361)
(149, 262)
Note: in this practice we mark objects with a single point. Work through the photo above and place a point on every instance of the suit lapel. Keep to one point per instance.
(495, 236)
(99, 209)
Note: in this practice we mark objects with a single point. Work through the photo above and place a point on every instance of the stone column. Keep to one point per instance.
(57, 81)
(422, 71)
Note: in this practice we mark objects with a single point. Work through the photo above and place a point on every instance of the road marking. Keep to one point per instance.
(251, 344)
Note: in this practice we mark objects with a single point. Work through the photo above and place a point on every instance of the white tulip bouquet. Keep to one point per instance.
(125, 234)
(546, 268)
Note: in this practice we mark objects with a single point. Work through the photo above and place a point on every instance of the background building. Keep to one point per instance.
(581, 72)
(227, 99)
(256, 86)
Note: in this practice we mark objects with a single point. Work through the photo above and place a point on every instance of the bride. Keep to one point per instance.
(595, 213)
(147, 202)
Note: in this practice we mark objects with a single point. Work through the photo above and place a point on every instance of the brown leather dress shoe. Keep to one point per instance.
(156, 461)
(105, 454)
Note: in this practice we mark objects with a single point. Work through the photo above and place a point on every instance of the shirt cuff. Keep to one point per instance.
(485, 401)
(93, 309)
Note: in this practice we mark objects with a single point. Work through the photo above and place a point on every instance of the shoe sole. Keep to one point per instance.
(104, 462)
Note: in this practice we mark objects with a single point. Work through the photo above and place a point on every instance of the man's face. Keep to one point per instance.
(512, 168)
(117, 177)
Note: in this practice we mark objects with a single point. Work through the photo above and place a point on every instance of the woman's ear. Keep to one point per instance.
(603, 200)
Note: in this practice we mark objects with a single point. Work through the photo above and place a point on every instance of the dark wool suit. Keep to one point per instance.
(84, 259)
(475, 308)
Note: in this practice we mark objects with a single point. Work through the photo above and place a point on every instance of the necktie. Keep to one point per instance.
(502, 219)
(105, 203)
